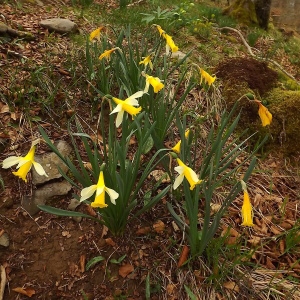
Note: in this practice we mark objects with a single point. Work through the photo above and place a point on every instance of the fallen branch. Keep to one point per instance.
(2, 281)
(259, 58)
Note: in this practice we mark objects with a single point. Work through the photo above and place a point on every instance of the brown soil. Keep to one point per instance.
(259, 77)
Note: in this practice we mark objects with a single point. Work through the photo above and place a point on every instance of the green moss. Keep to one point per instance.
(285, 108)
(243, 11)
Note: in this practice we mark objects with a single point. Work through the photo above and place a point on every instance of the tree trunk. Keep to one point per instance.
(262, 9)
(250, 12)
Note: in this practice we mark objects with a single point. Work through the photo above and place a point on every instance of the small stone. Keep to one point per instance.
(4, 240)
(44, 194)
(3, 27)
(49, 162)
(179, 55)
(59, 25)
(74, 203)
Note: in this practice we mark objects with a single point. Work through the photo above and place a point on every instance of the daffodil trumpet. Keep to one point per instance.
(264, 114)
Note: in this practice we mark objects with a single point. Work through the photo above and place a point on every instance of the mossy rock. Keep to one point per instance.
(285, 108)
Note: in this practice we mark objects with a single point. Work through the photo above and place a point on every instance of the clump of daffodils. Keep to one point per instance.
(25, 163)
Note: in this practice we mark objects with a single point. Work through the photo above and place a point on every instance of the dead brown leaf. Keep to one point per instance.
(90, 211)
(29, 292)
(82, 263)
(143, 230)
(184, 255)
(125, 270)
(110, 242)
(231, 285)
(104, 231)
(159, 226)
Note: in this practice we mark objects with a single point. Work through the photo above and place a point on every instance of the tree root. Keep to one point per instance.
(259, 58)
(2, 281)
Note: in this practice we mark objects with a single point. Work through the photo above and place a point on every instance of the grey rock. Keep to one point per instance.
(3, 27)
(4, 240)
(59, 25)
(74, 203)
(72, 206)
(43, 194)
(179, 55)
(49, 162)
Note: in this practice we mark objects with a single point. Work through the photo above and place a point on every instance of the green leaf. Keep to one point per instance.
(148, 145)
(93, 261)
(148, 293)
(190, 293)
(117, 261)
(64, 213)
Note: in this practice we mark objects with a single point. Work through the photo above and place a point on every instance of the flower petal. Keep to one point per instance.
(178, 181)
(119, 118)
(132, 99)
(11, 161)
(39, 169)
(117, 109)
(112, 194)
(87, 192)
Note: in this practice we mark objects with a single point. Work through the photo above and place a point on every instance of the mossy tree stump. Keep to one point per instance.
(250, 12)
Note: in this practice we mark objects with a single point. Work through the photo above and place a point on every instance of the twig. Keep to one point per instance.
(257, 57)
(134, 3)
(2, 282)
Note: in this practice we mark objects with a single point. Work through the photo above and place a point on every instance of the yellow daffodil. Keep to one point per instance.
(170, 44)
(96, 34)
(107, 53)
(24, 163)
(207, 78)
(188, 173)
(100, 190)
(128, 106)
(146, 61)
(247, 212)
(160, 30)
(176, 148)
(155, 82)
(264, 114)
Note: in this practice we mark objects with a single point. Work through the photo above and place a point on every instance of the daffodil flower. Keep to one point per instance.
(155, 82)
(107, 53)
(146, 61)
(188, 173)
(96, 34)
(264, 114)
(176, 148)
(128, 106)
(247, 212)
(207, 78)
(170, 44)
(100, 190)
(160, 30)
(24, 163)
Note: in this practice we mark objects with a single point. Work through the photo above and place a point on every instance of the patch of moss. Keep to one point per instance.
(285, 108)
(243, 11)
